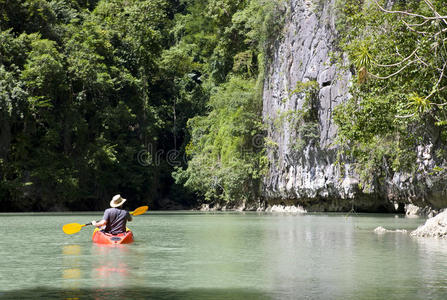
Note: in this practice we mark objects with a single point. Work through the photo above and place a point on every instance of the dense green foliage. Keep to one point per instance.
(225, 154)
(95, 98)
(81, 99)
(399, 96)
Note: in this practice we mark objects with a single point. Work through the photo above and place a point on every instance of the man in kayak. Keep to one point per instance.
(115, 218)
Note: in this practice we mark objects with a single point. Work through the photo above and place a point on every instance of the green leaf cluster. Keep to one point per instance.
(400, 89)
(226, 147)
(227, 42)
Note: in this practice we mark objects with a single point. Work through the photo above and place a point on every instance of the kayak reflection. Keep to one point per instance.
(110, 268)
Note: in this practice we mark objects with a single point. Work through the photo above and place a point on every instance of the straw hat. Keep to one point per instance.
(117, 200)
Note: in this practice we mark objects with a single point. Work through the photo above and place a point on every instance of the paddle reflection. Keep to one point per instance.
(71, 273)
(72, 262)
(71, 250)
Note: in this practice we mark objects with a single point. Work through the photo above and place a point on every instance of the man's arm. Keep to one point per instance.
(100, 223)
(103, 221)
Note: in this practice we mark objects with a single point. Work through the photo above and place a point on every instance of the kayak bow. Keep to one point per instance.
(100, 237)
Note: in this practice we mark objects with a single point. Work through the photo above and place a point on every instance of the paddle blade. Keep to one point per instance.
(140, 210)
(72, 228)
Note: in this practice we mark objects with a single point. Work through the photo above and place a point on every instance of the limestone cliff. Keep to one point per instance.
(302, 155)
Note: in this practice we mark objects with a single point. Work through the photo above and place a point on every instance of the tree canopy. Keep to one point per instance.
(105, 97)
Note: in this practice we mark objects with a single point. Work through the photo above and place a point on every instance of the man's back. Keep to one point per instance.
(116, 220)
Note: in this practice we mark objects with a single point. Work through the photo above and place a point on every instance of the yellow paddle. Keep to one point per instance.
(139, 211)
(75, 227)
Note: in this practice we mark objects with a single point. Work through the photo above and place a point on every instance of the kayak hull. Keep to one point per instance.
(103, 238)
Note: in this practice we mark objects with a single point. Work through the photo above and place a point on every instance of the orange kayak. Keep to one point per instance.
(100, 237)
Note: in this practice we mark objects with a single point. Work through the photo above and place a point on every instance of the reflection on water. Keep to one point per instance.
(105, 266)
(137, 293)
(302, 258)
(109, 268)
(71, 273)
(68, 250)
(432, 247)
(71, 260)
(432, 265)
(226, 256)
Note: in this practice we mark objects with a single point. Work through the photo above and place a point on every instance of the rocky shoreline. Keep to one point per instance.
(435, 226)
(268, 208)
(410, 210)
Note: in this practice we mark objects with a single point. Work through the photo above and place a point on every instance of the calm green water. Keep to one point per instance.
(222, 256)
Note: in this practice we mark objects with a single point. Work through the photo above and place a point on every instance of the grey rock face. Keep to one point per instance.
(425, 188)
(307, 174)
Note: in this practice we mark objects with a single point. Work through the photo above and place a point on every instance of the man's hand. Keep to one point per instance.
(100, 223)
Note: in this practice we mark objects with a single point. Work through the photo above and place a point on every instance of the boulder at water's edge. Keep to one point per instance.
(433, 227)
